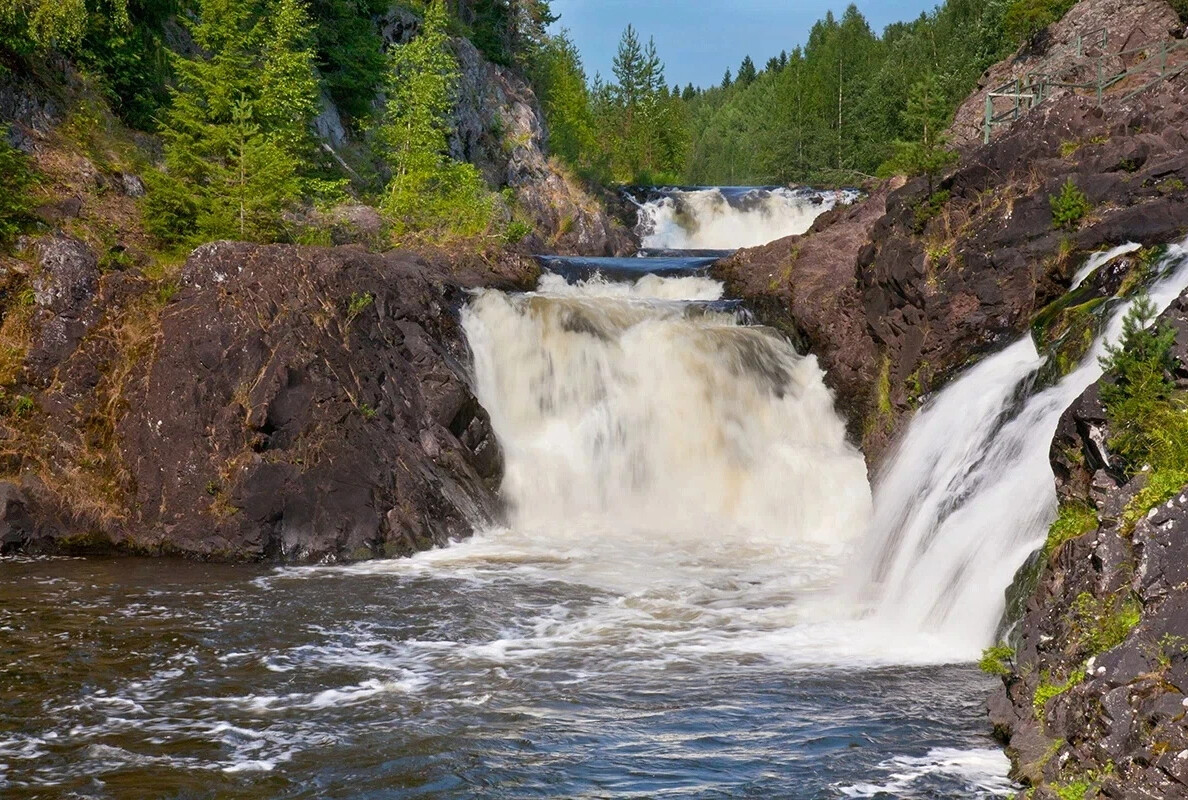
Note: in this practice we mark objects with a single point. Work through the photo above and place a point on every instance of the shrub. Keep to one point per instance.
(1025, 18)
(1070, 206)
(516, 231)
(997, 660)
(1074, 519)
(1102, 624)
(16, 183)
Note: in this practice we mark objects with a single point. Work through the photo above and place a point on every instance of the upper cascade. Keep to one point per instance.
(729, 217)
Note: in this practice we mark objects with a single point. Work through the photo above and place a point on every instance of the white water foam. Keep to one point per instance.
(710, 219)
(1095, 262)
(982, 771)
(969, 493)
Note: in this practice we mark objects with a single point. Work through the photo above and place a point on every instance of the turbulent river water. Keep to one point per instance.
(696, 594)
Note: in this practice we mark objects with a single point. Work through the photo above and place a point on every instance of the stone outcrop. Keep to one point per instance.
(1097, 695)
(497, 124)
(913, 284)
(499, 127)
(288, 404)
(1105, 28)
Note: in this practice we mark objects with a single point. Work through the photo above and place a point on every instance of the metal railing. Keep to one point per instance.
(1026, 92)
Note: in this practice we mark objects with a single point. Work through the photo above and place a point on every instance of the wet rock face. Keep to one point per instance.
(295, 404)
(1097, 691)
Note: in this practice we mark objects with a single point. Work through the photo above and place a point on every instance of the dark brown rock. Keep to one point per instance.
(297, 404)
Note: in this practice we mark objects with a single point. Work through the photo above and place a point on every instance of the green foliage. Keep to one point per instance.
(925, 117)
(1104, 623)
(1046, 690)
(930, 208)
(835, 109)
(28, 26)
(1078, 789)
(1069, 207)
(16, 184)
(516, 231)
(1025, 18)
(508, 31)
(350, 53)
(429, 191)
(357, 303)
(1073, 520)
(1148, 416)
(238, 129)
(565, 99)
(1181, 7)
(997, 660)
(129, 59)
(1139, 388)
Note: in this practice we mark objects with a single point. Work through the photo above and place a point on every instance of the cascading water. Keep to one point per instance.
(675, 446)
(970, 493)
(730, 217)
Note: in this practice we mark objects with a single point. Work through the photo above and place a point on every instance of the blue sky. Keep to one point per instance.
(700, 39)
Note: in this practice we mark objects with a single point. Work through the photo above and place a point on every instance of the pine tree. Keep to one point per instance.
(727, 80)
(565, 99)
(925, 117)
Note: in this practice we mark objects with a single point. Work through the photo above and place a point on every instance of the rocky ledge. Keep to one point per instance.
(1094, 699)
(897, 294)
(280, 402)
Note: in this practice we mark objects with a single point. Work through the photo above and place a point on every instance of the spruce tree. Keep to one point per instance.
(238, 126)
(429, 191)
(746, 72)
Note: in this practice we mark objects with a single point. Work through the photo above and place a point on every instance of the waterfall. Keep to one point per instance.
(647, 421)
(730, 217)
(970, 493)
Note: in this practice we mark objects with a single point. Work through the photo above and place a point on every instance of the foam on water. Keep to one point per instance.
(716, 218)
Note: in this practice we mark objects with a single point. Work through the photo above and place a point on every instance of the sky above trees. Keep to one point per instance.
(700, 39)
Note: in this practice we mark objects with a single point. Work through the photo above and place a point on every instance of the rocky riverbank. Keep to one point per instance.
(1093, 698)
(285, 403)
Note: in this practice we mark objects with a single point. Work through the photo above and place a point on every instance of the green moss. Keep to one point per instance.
(1081, 789)
(1047, 690)
(1162, 485)
(1073, 520)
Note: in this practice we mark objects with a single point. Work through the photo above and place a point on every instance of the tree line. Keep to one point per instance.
(848, 104)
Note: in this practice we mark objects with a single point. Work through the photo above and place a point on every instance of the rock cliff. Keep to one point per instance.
(286, 403)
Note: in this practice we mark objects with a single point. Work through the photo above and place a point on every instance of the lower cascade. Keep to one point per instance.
(655, 439)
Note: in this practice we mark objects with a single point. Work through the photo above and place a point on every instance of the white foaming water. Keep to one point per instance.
(658, 450)
(689, 287)
(983, 771)
(709, 219)
(1095, 262)
(970, 494)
